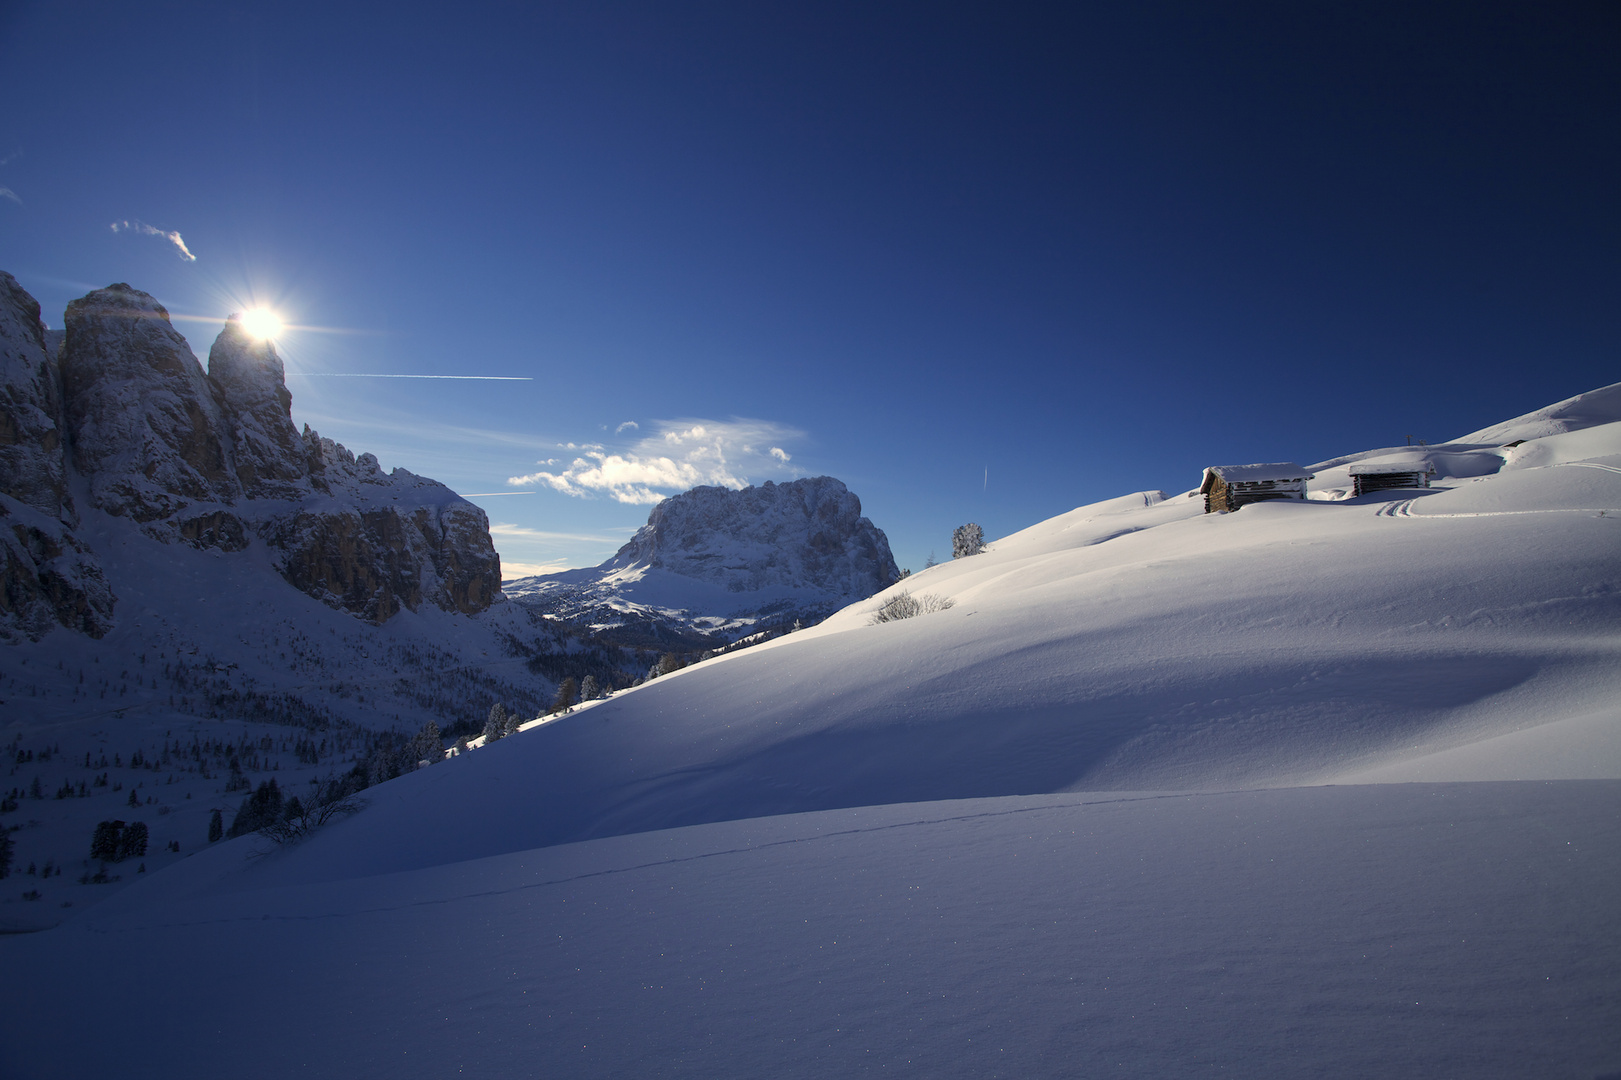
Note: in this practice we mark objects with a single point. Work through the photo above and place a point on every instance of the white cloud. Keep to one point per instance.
(633, 425)
(147, 230)
(679, 455)
(511, 571)
(523, 532)
(7, 193)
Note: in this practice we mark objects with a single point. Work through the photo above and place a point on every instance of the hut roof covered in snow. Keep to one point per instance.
(1249, 474)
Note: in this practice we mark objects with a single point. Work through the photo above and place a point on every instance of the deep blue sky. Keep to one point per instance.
(1087, 249)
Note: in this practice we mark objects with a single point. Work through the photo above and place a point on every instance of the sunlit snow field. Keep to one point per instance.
(1321, 788)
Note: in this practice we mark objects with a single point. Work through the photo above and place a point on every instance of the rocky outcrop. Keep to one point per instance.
(47, 577)
(381, 541)
(145, 429)
(31, 464)
(803, 534)
(209, 461)
(251, 385)
(717, 565)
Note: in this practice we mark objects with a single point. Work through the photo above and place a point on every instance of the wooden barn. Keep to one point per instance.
(1228, 487)
(1366, 477)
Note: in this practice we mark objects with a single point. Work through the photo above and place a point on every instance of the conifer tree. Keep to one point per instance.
(7, 849)
(216, 826)
(589, 690)
(104, 843)
(427, 745)
(568, 693)
(496, 726)
(261, 808)
(132, 842)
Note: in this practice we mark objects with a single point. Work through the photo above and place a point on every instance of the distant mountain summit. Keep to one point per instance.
(716, 563)
(117, 412)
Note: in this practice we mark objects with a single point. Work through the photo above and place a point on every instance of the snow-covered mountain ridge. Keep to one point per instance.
(121, 419)
(718, 563)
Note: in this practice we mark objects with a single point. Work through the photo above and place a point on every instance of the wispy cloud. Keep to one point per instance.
(511, 571)
(679, 455)
(631, 424)
(147, 230)
(523, 532)
(7, 193)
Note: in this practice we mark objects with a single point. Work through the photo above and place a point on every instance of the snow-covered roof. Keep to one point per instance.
(1367, 468)
(1238, 474)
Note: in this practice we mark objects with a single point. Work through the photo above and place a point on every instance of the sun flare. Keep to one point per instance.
(261, 323)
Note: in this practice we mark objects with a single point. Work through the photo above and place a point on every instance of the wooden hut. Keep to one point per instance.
(1228, 487)
(1381, 476)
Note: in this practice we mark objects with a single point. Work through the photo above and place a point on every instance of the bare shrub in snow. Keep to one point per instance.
(328, 799)
(904, 606)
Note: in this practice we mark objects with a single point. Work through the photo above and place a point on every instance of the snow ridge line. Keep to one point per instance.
(459, 897)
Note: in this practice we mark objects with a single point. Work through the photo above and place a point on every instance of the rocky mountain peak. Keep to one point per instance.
(250, 382)
(715, 564)
(804, 533)
(146, 430)
(31, 468)
(210, 461)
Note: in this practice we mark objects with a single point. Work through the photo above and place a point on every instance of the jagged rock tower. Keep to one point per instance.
(123, 413)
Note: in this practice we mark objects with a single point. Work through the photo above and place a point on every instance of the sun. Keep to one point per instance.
(261, 323)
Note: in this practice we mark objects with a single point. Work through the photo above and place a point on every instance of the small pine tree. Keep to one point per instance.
(428, 745)
(667, 663)
(568, 693)
(496, 726)
(967, 540)
(261, 808)
(216, 826)
(589, 690)
(7, 850)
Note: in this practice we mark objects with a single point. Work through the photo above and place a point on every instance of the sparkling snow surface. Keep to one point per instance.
(1324, 788)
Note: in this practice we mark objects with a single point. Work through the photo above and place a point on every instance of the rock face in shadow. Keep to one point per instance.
(124, 414)
(48, 577)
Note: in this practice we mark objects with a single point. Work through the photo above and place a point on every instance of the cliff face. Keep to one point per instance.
(713, 564)
(803, 534)
(124, 412)
(47, 576)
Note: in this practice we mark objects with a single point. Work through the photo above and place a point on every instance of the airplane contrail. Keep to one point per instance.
(379, 375)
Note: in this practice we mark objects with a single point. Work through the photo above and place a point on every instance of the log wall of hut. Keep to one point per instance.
(1362, 483)
(1225, 496)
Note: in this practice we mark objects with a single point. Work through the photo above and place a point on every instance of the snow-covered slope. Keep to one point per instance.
(935, 846)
